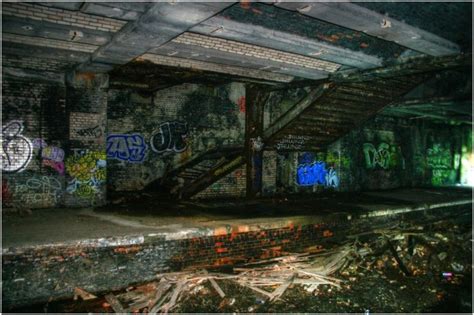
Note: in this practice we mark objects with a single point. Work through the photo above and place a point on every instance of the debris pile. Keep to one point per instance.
(405, 268)
(269, 279)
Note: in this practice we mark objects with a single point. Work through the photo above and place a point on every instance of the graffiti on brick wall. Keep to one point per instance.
(39, 143)
(292, 142)
(37, 190)
(170, 136)
(384, 155)
(316, 173)
(17, 150)
(92, 132)
(440, 160)
(52, 156)
(126, 147)
(439, 157)
(88, 173)
(86, 126)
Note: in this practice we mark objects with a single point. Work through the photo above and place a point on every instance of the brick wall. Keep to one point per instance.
(34, 135)
(45, 160)
(151, 134)
(385, 153)
(59, 16)
(85, 163)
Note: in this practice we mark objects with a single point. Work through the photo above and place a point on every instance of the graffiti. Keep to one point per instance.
(440, 160)
(38, 143)
(170, 137)
(292, 142)
(332, 180)
(128, 147)
(86, 126)
(57, 166)
(53, 153)
(241, 104)
(44, 190)
(439, 157)
(88, 174)
(93, 132)
(377, 156)
(316, 173)
(17, 150)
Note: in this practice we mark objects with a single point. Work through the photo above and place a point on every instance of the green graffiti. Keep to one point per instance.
(438, 157)
(440, 160)
(377, 156)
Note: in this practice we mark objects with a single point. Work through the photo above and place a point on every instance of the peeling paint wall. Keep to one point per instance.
(150, 135)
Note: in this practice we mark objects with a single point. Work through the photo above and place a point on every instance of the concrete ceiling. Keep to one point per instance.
(276, 42)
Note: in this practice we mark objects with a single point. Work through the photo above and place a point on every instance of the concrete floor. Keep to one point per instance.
(127, 222)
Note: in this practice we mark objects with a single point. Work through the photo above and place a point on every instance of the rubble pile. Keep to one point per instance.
(403, 268)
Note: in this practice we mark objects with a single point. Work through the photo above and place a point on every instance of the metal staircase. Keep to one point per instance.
(328, 112)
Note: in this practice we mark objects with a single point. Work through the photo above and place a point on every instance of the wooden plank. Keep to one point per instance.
(115, 303)
(358, 18)
(297, 110)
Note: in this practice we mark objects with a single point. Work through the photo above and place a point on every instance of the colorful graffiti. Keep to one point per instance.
(53, 153)
(88, 174)
(39, 143)
(439, 157)
(440, 160)
(126, 147)
(38, 190)
(377, 156)
(316, 173)
(17, 150)
(57, 166)
(170, 136)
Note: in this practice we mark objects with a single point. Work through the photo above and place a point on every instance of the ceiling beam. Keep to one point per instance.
(162, 22)
(415, 65)
(257, 35)
(357, 18)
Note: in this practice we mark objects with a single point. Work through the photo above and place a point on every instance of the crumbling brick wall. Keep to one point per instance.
(53, 142)
(34, 137)
(149, 135)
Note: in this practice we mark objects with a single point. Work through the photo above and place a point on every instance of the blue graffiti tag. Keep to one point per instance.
(126, 147)
(316, 174)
